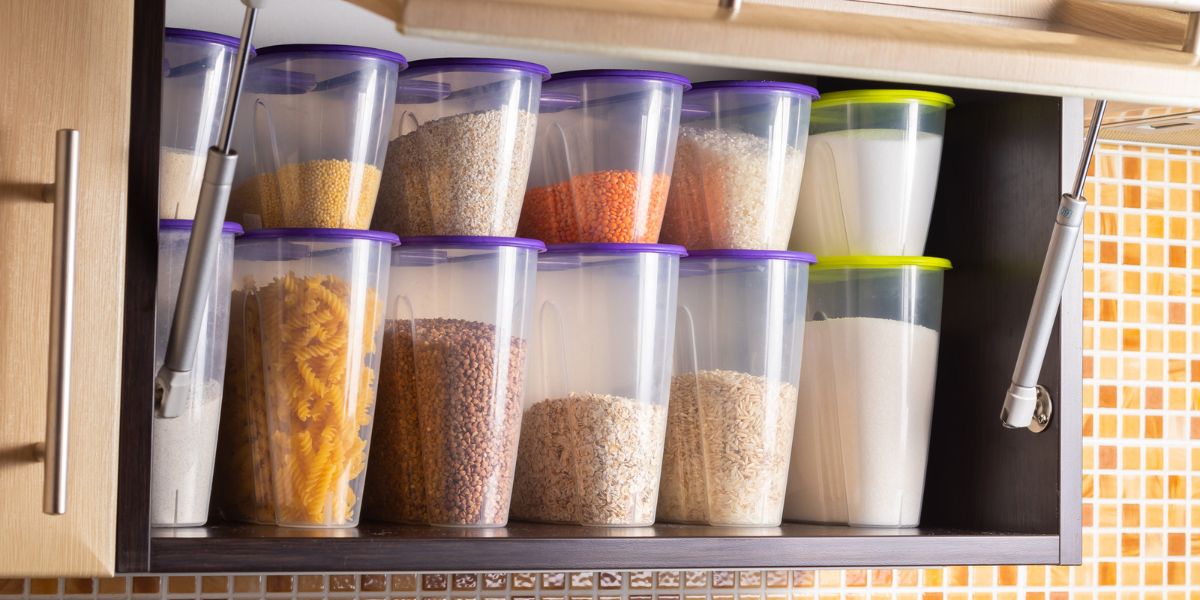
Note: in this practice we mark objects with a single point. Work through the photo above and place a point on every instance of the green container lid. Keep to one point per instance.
(880, 262)
(884, 97)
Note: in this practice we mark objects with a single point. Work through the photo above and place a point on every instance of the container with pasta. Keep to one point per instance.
(315, 297)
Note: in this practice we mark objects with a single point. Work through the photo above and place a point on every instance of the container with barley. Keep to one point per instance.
(738, 341)
(315, 298)
(452, 381)
(599, 374)
(738, 165)
(601, 168)
(312, 133)
(462, 139)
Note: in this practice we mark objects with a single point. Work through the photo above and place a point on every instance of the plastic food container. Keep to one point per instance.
(602, 167)
(462, 140)
(739, 334)
(315, 298)
(866, 391)
(599, 377)
(196, 71)
(452, 380)
(312, 134)
(871, 173)
(181, 466)
(738, 165)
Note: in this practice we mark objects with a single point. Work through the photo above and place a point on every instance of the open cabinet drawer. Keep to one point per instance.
(993, 496)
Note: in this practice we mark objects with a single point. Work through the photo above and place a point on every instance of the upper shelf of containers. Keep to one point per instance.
(471, 291)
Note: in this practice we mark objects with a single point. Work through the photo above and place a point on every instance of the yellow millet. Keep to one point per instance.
(317, 193)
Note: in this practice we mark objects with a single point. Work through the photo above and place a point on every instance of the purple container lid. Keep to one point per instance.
(626, 74)
(601, 248)
(750, 85)
(754, 255)
(472, 241)
(306, 233)
(179, 34)
(186, 225)
(360, 51)
(481, 64)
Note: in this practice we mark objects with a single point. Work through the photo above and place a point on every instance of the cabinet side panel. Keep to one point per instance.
(137, 375)
(996, 203)
(1068, 406)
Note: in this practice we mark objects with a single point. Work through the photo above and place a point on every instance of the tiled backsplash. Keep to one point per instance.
(1141, 450)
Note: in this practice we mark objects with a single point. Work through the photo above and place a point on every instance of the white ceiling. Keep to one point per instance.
(339, 22)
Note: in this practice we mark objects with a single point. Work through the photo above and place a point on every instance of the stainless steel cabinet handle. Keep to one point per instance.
(64, 194)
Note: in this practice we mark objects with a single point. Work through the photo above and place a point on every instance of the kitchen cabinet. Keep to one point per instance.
(66, 66)
(993, 496)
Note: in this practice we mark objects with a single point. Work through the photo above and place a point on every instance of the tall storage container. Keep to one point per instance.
(196, 71)
(462, 141)
(738, 165)
(871, 173)
(602, 166)
(739, 334)
(866, 391)
(596, 400)
(312, 317)
(181, 464)
(452, 380)
(312, 134)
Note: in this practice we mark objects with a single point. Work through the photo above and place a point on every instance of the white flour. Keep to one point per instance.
(862, 422)
(867, 191)
(181, 469)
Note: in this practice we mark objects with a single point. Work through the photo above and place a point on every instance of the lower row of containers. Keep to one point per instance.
(599, 384)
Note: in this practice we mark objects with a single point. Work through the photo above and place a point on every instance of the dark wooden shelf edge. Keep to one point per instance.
(410, 553)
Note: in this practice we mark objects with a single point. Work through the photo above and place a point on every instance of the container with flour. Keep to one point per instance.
(866, 391)
(181, 464)
(871, 173)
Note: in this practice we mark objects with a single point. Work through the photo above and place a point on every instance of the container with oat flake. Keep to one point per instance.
(312, 134)
(462, 138)
(739, 333)
(598, 379)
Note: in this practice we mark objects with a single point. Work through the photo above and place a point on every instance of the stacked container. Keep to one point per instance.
(181, 470)
(312, 134)
(739, 334)
(196, 73)
(453, 379)
(602, 166)
(866, 391)
(596, 399)
(462, 142)
(738, 165)
(871, 173)
(311, 315)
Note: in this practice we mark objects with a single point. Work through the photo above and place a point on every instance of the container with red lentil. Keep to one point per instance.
(602, 167)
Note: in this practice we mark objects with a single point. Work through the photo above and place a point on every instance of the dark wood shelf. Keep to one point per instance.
(528, 546)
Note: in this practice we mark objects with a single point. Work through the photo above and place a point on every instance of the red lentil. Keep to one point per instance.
(605, 206)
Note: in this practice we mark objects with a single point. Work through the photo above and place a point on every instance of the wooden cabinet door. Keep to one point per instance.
(65, 64)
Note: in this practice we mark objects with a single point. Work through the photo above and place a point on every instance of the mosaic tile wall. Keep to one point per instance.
(1141, 511)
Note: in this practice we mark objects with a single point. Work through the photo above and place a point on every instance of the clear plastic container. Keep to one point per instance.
(739, 334)
(738, 165)
(315, 298)
(871, 173)
(601, 168)
(181, 465)
(196, 72)
(312, 133)
(452, 381)
(462, 141)
(866, 391)
(599, 378)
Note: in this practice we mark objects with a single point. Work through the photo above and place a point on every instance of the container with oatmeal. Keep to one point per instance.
(602, 166)
(598, 379)
(312, 134)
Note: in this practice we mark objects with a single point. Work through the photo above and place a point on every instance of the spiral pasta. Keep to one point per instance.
(316, 342)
